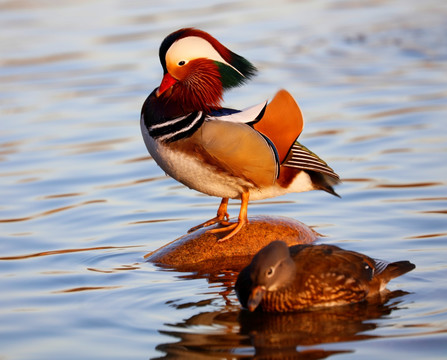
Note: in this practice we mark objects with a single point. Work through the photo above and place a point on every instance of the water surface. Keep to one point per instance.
(82, 202)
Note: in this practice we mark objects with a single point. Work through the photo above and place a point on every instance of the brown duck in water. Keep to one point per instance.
(281, 279)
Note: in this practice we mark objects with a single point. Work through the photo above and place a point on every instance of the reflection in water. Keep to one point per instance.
(86, 288)
(235, 333)
(51, 212)
(410, 185)
(63, 251)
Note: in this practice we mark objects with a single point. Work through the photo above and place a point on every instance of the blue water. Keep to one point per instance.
(82, 202)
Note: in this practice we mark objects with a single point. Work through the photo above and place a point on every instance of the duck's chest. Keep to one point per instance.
(183, 162)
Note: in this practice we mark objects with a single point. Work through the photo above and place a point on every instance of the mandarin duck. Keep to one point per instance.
(249, 154)
(282, 279)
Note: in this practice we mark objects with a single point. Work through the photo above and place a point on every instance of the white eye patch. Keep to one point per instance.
(190, 48)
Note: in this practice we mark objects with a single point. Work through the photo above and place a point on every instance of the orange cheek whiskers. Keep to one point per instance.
(202, 88)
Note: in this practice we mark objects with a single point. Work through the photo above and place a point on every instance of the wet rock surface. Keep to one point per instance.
(200, 250)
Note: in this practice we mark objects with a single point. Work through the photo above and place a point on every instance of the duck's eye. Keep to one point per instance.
(181, 62)
(270, 272)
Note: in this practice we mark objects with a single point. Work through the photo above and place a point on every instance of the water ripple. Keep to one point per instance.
(52, 211)
(370, 80)
(63, 251)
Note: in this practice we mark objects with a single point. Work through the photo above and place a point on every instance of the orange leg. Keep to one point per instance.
(242, 220)
(221, 217)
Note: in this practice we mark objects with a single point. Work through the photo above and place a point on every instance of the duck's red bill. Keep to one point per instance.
(166, 83)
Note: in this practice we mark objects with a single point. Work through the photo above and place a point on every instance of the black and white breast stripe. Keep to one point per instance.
(168, 130)
(177, 128)
(301, 157)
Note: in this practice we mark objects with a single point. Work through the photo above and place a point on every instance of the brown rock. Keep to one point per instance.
(200, 251)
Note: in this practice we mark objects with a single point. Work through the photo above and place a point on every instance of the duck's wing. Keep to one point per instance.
(328, 275)
(347, 276)
(238, 150)
(282, 122)
(300, 157)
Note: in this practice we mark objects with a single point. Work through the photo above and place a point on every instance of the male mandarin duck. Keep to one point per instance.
(281, 279)
(249, 154)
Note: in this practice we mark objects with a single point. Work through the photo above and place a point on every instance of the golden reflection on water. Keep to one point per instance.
(154, 221)
(85, 288)
(417, 199)
(408, 185)
(52, 211)
(59, 252)
(136, 159)
(116, 269)
(426, 236)
(130, 183)
(57, 196)
(405, 110)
